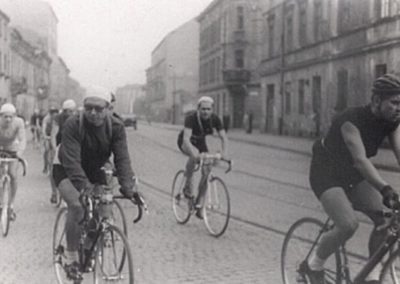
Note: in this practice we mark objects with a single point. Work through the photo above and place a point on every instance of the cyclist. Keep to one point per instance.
(344, 179)
(68, 109)
(87, 141)
(49, 138)
(12, 140)
(192, 142)
(35, 126)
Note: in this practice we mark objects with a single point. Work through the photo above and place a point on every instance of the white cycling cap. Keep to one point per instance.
(98, 92)
(9, 108)
(69, 104)
(205, 99)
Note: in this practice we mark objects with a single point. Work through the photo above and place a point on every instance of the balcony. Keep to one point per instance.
(236, 76)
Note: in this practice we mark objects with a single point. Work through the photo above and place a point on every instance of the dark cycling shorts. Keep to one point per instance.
(58, 174)
(326, 173)
(199, 144)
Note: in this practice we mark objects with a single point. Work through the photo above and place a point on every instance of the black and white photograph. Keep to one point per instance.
(200, 141)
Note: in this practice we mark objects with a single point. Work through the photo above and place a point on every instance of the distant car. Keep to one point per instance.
(129, 120)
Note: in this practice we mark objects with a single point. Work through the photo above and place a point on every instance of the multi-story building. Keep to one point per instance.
(230, 43)
(126, 96)
(59, 76)
(75, 91)
(37, 23)
(29, 75)
(321, 57)
(172, 79)
(4, 58)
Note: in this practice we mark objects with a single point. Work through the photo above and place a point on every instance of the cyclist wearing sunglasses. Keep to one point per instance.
(343, 177)
(87, 142)
(13, 141)
(192, 141)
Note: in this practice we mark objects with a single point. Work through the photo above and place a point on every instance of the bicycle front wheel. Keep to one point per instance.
(298, 244)
(5, 211)
(60, 246)
(180, 204)
(217, 208)
(113, 258)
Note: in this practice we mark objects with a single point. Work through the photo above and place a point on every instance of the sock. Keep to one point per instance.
(315, 262)
(72, 255)
(375, 273)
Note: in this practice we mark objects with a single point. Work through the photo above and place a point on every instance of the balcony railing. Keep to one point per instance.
(236, 76)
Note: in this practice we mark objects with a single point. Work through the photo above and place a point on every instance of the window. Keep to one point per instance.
(288, 98)
(303, 24)
(382, 8)
(289, 32)
(301, 96)
(317, 19)
(240, 18)
(217, 69)
(239, 58)
(271, 28)
(344, 16)
(380, 69)
(212, 71)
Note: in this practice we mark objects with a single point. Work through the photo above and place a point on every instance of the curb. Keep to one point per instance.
(383, 167)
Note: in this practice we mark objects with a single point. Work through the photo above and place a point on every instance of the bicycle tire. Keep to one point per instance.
(109, 238)
(217, 207)
(180, 204)
(5, 211)
(59, 246)
(391, 269)
(290, 266)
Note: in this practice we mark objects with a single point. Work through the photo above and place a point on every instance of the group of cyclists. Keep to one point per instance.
(342, 175)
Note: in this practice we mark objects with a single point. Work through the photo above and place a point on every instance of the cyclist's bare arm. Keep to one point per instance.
(352, 139)
(187, 133)
(394, 139)
(224, 142)
(21, 136)
(53, 134)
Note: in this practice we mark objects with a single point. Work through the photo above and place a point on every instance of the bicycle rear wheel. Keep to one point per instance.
(217, 207)
(180, 204)
(5, 211)
(297, 246)
(114, 262)
(60, 246)
(391, 269)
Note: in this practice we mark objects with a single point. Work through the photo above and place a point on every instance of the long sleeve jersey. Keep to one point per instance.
(83, 153)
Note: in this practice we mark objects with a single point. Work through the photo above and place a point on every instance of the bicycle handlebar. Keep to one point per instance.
(204, 157)
(140, 205)
(10, 158)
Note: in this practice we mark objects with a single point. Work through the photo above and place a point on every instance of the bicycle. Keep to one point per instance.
(5, 159)
(103, 247)
(216, 196)
(304, 235)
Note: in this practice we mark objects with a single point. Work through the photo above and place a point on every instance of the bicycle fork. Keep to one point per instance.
(376, 257)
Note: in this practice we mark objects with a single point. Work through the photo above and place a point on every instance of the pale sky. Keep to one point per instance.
(109, 42)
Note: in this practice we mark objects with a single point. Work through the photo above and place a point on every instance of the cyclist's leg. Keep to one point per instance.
(75, 214)
(368, 200)
(339, 209)
(12, 171)
(45, 155)
(190, 166)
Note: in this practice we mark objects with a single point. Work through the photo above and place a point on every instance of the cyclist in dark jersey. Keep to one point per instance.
(343, 177)
(192, 140)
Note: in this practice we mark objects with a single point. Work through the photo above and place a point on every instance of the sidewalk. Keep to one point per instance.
(385, 159)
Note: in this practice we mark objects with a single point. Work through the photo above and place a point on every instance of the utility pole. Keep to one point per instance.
(173, 99)
(282, 71)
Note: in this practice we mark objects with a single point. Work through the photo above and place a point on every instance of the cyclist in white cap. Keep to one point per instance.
(192, 141)
(88, 139)
(12, 141)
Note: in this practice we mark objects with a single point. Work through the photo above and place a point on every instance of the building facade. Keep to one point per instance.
(230, 51)
(59, 80)
(172, 79)
(29, 75)
(126, 97)
(4, 58)
(320, 57)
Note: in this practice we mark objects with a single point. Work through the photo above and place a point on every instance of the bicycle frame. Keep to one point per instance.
(386, 246)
